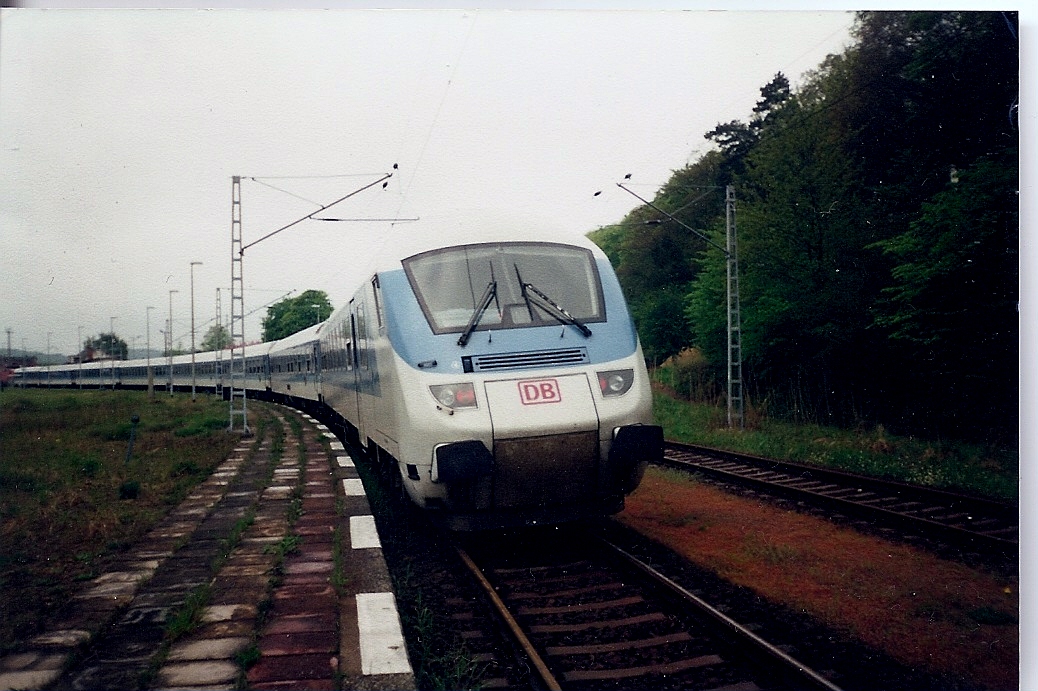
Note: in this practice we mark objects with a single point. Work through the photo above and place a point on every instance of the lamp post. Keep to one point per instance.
(111, 329)
(80, 357)
(193, 264)
(147, 345)
(48, 357)
(169, 341)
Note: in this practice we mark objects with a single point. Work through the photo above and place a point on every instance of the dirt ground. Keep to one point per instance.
(924, 611)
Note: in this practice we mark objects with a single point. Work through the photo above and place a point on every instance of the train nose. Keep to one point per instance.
(545, 440)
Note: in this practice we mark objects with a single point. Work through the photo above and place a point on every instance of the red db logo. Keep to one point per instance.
(539, 391)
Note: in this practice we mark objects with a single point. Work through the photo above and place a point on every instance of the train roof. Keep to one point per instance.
(307, 335)
(473, 227)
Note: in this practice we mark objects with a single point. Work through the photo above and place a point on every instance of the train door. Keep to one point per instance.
(352, 383)
(316, 354)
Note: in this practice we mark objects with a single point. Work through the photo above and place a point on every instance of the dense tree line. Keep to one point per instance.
(877, 215)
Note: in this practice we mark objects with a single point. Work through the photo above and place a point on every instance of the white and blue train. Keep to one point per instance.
(497, 375)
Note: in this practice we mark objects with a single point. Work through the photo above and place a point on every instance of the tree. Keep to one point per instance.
(216, 338)
(952, 304)
(106, 346)
(292, 315)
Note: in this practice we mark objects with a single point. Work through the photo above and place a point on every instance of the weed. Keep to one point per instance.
(952, 465)
(289, 544)
(130, 489)
(772, 553)
(185, 467)
(247, 657)
(189, 615)
(65, 490)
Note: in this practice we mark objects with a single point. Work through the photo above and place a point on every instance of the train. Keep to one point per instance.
(494, 372)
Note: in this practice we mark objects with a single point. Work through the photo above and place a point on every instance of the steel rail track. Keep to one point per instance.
(598, 617)
(982, 523)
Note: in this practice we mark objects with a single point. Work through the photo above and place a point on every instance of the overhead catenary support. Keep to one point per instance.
(237, 370)
(219, 347)
(734, 320)
(736, 412)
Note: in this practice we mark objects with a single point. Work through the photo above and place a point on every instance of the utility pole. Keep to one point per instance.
(169, 342)
(736, 410)
(193, 264)
(734, 320)
(238, 370)
(238, 364)
(147, 344)
(219, 349)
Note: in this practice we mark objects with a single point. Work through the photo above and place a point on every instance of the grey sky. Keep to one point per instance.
(120, 131)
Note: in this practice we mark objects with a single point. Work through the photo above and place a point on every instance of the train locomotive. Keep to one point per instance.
(496, 375)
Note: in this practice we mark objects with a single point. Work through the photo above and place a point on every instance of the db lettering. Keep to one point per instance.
(539, 391)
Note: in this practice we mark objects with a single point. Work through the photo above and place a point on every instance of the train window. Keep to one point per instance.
(450, 283)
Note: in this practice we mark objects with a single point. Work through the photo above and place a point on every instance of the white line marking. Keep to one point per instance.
(354, 487)
(382, 649)
(363, 533)
(345, 462)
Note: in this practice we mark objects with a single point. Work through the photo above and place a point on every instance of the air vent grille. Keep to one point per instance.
(538, 358)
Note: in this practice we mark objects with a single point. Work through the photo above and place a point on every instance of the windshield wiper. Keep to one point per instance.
(484, 302)
(533, 295)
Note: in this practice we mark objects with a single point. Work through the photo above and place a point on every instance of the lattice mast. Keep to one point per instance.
(736, 411)
(219, 351)
(237, 369)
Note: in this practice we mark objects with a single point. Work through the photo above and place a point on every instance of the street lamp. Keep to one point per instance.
(169, 341)
(111, 328)
(48, 357)
(147, 344)
(80, 356)
(193, 264)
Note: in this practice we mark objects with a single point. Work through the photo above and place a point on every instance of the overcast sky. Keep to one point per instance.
(121, 129)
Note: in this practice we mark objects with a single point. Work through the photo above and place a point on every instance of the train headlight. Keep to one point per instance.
(616, 382)
(454, 396)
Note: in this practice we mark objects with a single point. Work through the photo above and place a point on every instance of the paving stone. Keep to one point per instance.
(32, 679)
(310, 684)
(287, 667)
(33, 661)
(299, 590)
(208, 649)
(62, 638)
(303, 643)
(309, 567)
(184, 674)
(323, 621)
(303, 605)
(246, 570)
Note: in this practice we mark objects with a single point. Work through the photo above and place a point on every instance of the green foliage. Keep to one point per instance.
(292, 315)
(873, 288)
(216, 338)
(130, 489)
(952, 304)
(107, 346)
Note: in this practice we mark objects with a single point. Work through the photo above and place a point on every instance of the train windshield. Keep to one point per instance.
(506, 285)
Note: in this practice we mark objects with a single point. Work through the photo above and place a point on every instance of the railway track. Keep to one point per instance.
(588, 615)
(960, 519)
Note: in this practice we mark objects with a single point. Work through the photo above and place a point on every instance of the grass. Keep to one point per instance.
(70, 500)
(946, 464)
